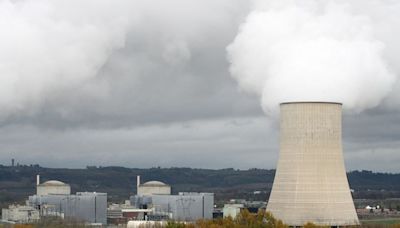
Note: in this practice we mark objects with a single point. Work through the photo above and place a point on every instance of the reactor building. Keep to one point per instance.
(310, 183)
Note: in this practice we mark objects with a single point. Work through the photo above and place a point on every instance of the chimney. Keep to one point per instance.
(137, 182)
(37, 179)
(310, 182)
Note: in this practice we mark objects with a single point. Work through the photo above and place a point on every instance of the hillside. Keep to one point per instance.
(16, 183)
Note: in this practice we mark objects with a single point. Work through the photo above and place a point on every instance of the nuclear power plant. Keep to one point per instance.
(310, 183)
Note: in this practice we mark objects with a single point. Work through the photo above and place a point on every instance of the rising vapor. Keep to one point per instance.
(305, 50)
(77, 59)
(49, 47)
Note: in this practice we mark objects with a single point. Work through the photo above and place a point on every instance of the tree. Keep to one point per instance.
(244, 220)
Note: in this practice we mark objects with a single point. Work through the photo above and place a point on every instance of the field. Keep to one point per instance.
(382, 221)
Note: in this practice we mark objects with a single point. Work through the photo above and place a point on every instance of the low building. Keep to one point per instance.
(139, 224)
(232, 210)
(235, 206)
(120, 214)
(20, 214)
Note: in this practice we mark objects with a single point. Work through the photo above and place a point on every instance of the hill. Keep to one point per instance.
(16, 183)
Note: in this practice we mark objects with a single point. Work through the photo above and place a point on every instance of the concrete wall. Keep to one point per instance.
(92, 207)
(42, 190)
(88, 206)
(150, 190)
(184, 207)
(310, 183)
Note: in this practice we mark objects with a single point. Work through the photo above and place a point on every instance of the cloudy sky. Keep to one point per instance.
(147, 83)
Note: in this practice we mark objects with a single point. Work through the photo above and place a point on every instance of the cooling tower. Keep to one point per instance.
(310, 182)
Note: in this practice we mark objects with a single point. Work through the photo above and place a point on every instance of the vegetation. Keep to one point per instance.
(382, 221)
(50, 222)
(16, 183)
(57, 222)
(244, 220)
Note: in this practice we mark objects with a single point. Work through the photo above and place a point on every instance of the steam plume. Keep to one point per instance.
(307, 50)
(48, 46)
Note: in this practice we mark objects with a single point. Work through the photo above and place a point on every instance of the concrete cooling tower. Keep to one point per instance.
(310, 182)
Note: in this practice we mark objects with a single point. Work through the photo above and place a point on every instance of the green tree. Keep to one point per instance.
(244, 220)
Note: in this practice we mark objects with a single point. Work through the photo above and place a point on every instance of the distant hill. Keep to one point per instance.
(16, 183)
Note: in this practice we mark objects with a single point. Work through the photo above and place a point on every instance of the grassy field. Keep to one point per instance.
(383, 221)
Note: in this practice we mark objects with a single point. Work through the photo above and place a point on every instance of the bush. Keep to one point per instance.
(244, 220)
(57, 222)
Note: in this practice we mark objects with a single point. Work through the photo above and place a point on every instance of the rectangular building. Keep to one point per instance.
(91, 207)
(186, 206)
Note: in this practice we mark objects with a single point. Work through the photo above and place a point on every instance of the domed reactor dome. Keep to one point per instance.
(153, 188)
(53, 187)
(310, 183)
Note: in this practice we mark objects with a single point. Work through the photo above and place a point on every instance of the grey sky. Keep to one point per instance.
(161, 96)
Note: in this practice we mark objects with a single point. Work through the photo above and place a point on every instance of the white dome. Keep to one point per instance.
(154, 183)
(54, 183)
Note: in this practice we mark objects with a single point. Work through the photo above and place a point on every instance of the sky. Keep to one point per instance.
(145, 83)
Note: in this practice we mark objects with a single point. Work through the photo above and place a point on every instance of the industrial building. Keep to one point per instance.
(310, 183)
(52, 187)
(20, 214)
(235, 206)
(186, 206)
(120, 214)
(90, 207)
(152, 187)
(54, 198)
(232, 210)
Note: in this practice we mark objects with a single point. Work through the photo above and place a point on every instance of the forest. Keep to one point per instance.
(18, 182)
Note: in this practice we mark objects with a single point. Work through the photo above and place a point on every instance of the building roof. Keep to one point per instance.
(53, 183)
(154, 183)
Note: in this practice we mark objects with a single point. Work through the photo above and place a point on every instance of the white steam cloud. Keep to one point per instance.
(48, 46)
(63, 58)
(309, 50)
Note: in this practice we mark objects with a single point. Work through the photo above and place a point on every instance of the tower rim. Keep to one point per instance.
(310, 102)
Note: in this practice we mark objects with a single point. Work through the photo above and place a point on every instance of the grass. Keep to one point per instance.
(382, 221)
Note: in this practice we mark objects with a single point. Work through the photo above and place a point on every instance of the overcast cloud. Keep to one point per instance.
(146, 83)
